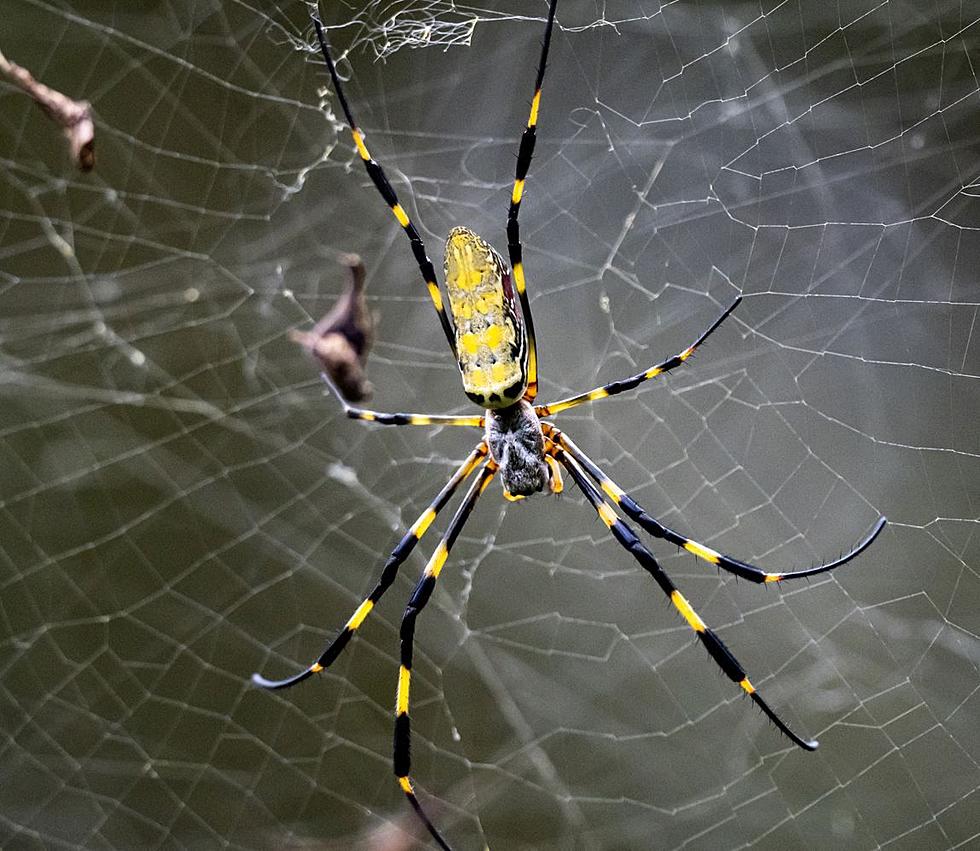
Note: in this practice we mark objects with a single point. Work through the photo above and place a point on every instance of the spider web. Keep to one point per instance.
(180, 505)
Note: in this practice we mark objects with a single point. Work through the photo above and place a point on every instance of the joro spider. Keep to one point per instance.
(492, 339)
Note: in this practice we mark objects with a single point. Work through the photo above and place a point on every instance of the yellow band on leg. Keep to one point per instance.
(557, 483)
(684, 607)
(404, 682)
(362, 612)
(535, 106)
(359, 142)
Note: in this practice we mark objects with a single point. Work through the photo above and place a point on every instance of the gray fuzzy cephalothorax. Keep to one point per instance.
(517, 445)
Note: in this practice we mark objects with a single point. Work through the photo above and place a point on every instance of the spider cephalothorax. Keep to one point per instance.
(517, 445)
(495, 349)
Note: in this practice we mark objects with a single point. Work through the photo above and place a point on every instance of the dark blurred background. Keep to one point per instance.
(181, 505)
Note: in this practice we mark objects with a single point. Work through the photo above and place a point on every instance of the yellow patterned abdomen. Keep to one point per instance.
(491, 343)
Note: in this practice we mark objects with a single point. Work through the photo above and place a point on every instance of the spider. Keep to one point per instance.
(491, 335)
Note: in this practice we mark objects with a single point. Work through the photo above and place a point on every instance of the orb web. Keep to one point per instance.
(181, 504)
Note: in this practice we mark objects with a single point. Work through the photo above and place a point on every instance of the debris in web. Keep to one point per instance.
(438, 25)
(74, 116)
(341, 340)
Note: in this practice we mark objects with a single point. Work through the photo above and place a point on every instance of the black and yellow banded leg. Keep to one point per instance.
(722, 656)
(615, 387)
(388, 574)
(635, 511)
(380, 180)
(514, 247)
(382, 418)
(421, 595)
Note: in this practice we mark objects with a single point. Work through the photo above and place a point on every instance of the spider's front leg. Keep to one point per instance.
(423, 591)
(388, 574)
(636, 512)
(709, 639)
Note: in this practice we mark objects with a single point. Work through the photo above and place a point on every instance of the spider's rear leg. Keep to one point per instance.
(515, 248)
(385, 189)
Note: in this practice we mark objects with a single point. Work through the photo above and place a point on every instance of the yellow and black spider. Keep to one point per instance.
(492, 337)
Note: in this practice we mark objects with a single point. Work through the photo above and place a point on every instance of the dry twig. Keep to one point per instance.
(342, 339)
(74, 116)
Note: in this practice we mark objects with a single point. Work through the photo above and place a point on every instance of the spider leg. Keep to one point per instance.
(635, 511)
(615, 387)
(722, 656)
(421, 595)
(384, 187)
(388, 574)
(382, 418)
(514, 247)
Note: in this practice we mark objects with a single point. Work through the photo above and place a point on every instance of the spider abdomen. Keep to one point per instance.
(491, 343)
